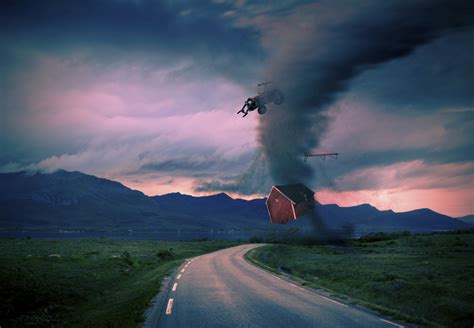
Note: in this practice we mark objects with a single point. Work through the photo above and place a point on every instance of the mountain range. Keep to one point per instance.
(468, 219)
(74, 200)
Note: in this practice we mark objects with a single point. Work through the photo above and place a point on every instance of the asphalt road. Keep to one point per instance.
(222, 289)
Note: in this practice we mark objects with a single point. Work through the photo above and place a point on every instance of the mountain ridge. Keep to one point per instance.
(74, 200)
(467, 218)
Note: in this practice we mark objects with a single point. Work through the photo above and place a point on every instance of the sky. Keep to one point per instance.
(146, 93)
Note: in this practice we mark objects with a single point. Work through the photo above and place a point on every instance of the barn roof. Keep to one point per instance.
(297, 192)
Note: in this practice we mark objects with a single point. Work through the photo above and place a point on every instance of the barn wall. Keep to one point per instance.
(279, 208)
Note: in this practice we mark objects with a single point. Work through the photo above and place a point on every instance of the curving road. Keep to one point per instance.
(222, 289)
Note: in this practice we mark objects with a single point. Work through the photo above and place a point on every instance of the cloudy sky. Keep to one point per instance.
(146, 93)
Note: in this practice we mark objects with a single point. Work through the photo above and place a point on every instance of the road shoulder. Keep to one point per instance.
(154, 311)
(333, 296)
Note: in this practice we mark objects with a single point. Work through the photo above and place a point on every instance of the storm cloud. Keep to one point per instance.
(320, 48)
(146, 92)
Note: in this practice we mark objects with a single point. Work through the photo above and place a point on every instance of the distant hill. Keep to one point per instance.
(468, 219)
(73, 200)
(366, 218)
(219, 211)
(362, 218)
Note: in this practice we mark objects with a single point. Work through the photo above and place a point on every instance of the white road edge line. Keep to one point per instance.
(393, 323)
(169, 307)
(330, 300)
(297, 286)
(178, 277)
(175, 286)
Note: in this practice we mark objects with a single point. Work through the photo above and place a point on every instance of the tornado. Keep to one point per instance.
(316, 50)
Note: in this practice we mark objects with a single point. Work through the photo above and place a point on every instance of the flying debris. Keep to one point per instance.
(322, 155)
(289, 202)
(266, 95)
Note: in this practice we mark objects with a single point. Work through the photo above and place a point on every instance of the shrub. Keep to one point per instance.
(255, 240)
(165, 254)
(380, 236)
(127, 258)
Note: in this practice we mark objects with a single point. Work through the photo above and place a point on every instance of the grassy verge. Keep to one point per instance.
(424, 279)
(86, 283)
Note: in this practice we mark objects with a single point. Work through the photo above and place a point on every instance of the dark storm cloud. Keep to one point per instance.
(244, 185)
(203, 165)
(436, 75)
(461, 119)
(409, 61)
(127, 28)
(50, 48)
(254, 180)
(318, 51)
(216, 186)
(179, 165)
(118, 23)
(324, 47)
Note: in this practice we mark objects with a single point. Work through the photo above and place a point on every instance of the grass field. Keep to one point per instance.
(425, 279)
(86, 283)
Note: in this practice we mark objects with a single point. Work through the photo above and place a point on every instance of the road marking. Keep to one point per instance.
(393, 323)
(178, 277)
(175, 286)
(296, 286)
(169, 307)
(183, 270)
(330, 300)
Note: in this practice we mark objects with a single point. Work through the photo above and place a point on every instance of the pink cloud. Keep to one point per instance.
(355, 122)
(410, 175)
(452, 202)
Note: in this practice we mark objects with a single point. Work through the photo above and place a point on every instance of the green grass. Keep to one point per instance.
(86, 283)
(425, 279)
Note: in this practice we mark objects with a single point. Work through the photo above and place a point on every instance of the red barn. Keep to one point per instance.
(289, 202)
